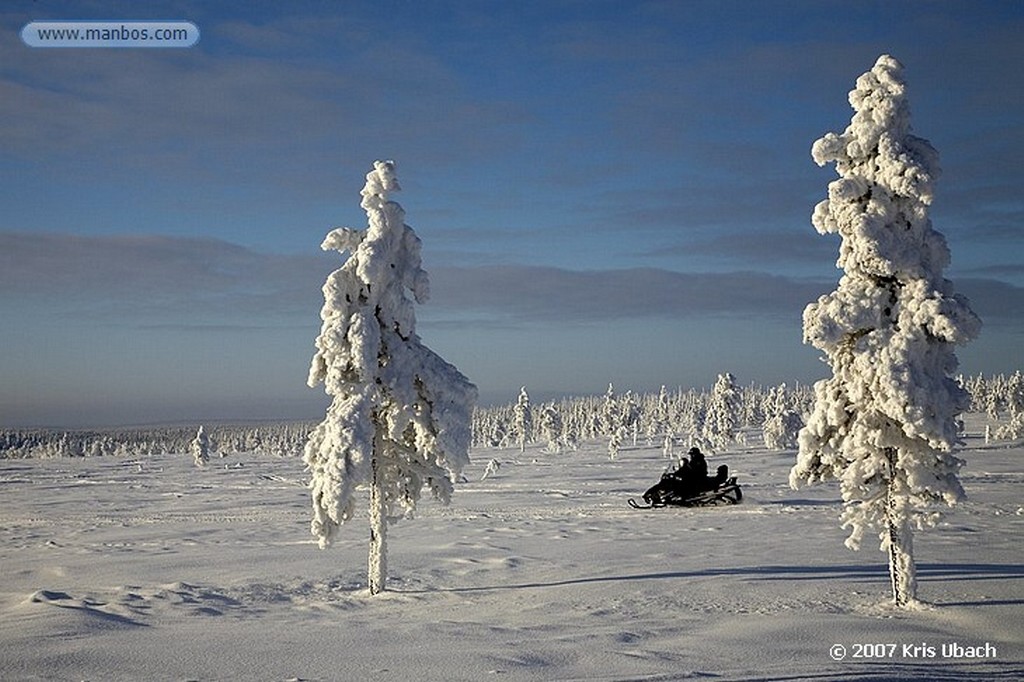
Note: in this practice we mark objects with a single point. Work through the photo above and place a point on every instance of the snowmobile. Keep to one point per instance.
(677, 491)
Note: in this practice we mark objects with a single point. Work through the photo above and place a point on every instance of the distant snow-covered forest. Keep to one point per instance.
(675, 420)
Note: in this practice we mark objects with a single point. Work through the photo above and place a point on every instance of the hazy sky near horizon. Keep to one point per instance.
(606, 191)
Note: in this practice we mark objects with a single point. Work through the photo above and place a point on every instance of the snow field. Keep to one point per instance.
(149, 568)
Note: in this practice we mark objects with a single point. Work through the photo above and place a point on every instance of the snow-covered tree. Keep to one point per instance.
(752, 406)
(201, 447)
(782, 423)
(1013, 399)
(657, 416)
(399, 418)
(550, 424)
(610, 417)
(691, 415)
(570, 429)
(994, 400)
(723, 415)
(523, 420)
(630, 415)
(615, 442)
(498, 435)
(885, 423)
(492, 468)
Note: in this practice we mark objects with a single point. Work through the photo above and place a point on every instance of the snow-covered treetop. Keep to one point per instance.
(886, 178)
(879, 206)
(384, 262)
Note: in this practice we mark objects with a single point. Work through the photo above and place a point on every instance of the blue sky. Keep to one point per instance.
(606, 191)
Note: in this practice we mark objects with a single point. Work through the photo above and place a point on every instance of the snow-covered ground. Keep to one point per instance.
(149, 568)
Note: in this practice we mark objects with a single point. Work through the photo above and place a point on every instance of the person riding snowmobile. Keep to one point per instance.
(690, 485)
(692, 475)
(698, 465)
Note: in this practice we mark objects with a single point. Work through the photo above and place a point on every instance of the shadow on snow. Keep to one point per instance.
(879, 672)
(860, 573)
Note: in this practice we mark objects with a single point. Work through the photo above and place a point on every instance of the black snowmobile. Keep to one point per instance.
(688, 488)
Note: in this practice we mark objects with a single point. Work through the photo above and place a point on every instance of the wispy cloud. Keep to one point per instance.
(767, 249)
(994, 300)
(150, 278)
(201, 283)
(539, 294)
(219, 115)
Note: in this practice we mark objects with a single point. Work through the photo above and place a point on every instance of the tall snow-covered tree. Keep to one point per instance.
(885, 424)
(399, 418)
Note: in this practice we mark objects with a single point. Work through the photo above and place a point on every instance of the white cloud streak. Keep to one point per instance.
(156, 278)
(207, 282)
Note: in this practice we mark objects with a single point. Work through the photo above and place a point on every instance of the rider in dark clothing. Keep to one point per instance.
(693, 474)
(689, 479)
(720, 479)
(698, 465)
